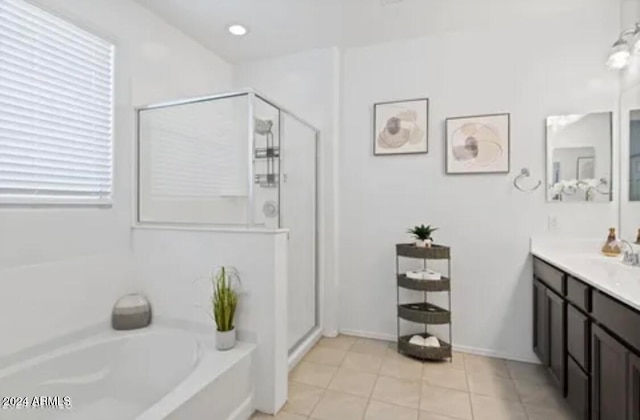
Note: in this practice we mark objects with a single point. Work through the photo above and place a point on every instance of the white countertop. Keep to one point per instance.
(583, 260)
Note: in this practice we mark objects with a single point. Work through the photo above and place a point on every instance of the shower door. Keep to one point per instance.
(298, 214)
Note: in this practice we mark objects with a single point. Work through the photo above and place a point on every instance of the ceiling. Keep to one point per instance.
(280, 27)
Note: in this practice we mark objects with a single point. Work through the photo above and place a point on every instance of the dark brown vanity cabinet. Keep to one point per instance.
(549, 336)
(609, 377)
(633, 388)
(589, 342)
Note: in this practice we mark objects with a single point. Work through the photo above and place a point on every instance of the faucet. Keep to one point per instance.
(630, 257)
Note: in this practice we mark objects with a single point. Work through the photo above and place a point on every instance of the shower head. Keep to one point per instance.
(262, 127)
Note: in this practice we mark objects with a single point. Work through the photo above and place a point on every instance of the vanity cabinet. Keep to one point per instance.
(609, 376)
(590, 344)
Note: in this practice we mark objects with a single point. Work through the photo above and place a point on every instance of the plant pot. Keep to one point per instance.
(423, 244)
(225, 340)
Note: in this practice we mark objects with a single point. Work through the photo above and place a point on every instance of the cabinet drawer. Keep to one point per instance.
(579, 294)
(578, 337)
(617, 317)
(551, 276)
(578, 391)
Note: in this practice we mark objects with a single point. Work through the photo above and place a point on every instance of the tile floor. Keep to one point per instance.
(348, 378)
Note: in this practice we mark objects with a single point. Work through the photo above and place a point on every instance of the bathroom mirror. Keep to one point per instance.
(579, 152)
(634, 155)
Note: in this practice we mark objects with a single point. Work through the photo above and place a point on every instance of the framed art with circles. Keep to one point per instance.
(401, 127)
(478, 144)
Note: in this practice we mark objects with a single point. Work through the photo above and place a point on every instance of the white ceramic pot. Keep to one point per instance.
(421, 244)
(428, 243)
(225, 340)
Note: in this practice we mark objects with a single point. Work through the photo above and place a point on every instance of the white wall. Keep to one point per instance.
(531, 66)
(308, 84)
(175, 269)
(62, 269)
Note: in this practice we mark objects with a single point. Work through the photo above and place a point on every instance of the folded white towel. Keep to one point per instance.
(431, 342)
(417, 340)
(424, 275)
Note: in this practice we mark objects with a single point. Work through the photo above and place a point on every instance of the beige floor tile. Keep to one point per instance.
(337, 405)
(492, 386)
(362, 362)
(382, 411)
(448, 402)
(397, 391)
(283, 415)
(341, 342)
(445, 377)
(369, 346)
(400, 366)
(485, 365)
(302, 398)
(424, 415)
(325, 356)
(457, 360)
(535, 394)
(548, 413)
(487, 408)
(353, 382)
(313, 374)
(528, 371)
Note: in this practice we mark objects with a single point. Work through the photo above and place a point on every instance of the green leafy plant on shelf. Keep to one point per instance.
(225, 298)
(422, 234)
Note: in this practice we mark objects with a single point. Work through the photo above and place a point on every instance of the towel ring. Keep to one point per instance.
(524, 173)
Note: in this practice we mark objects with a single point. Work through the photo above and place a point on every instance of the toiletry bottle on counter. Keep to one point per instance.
(638, 238)
(611, 247)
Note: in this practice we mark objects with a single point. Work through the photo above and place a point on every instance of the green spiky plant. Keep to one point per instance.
(422, 232)
(225, 299)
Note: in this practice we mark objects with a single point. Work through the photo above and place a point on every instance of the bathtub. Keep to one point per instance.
(150, 374)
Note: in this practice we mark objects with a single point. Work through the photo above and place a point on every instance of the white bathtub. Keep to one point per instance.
(150, 374)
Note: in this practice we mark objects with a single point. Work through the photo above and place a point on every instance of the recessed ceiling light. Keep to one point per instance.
(237, 29)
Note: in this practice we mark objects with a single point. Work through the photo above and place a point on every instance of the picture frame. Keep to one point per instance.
(478, 144)
(401, 127)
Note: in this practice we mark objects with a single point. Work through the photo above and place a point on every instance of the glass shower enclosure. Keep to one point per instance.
(236, 160)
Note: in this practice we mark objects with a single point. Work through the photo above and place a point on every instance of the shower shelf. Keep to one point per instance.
(424, 312)
(267, 152)
(267, 180)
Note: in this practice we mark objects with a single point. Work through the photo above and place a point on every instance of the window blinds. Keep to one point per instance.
(56, 102)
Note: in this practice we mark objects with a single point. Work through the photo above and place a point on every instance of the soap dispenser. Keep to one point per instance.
(611, 247)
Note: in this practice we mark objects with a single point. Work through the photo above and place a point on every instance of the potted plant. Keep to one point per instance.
(422, 235)
(224, 302)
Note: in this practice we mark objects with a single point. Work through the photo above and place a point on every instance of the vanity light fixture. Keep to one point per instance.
(237, 29)
(628, 43)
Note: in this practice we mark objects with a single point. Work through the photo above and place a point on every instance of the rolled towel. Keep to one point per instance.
(424, 275)
(417, 340)
(431, 342)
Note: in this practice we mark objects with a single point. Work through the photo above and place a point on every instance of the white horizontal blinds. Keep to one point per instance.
(56, 108)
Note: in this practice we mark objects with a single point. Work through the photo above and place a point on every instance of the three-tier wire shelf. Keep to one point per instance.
(423, 312)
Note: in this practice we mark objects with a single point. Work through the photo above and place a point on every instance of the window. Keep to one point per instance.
(56, 109)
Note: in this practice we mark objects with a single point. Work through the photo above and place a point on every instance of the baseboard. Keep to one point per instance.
(245, 411)
(462, 349)
(366, 334)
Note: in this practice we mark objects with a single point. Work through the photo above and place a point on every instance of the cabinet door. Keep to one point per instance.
(540, 322)
(556, 311)
(578, 391)
(608, 377)
(633, 388)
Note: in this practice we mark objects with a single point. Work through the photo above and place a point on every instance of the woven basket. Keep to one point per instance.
(436, 252)
(441, 285)
(424, 313)
(425, 353)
